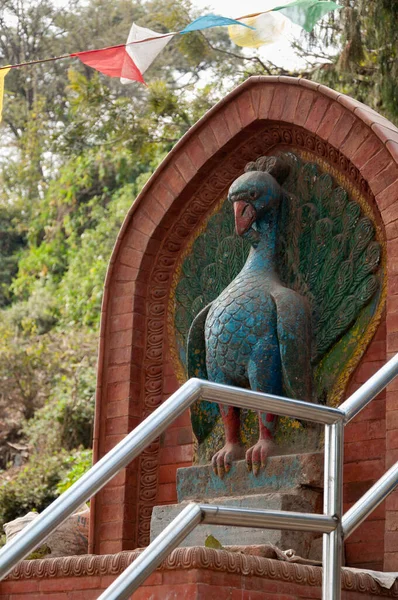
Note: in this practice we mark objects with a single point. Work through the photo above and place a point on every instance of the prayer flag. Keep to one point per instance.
(267, 28)
(144, 54)
(3, 73)
(306, 12)
(208, 21)
(114, 61)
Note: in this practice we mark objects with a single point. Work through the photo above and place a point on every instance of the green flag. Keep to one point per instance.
(306, 12)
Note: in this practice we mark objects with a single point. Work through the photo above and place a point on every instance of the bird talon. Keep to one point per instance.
(222, 460)
(256, 467)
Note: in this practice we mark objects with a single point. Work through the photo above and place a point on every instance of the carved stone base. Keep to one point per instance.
(291, 483)
(290, 472)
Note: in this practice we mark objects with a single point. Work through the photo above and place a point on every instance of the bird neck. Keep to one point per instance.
(262, 255)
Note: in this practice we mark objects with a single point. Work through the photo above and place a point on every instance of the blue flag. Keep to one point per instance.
(208, 21)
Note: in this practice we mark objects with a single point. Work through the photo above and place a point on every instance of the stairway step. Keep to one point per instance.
(287, 472)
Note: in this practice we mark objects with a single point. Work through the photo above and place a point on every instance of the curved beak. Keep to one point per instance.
(245, 215)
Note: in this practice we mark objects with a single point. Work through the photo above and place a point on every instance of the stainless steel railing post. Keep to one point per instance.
(139, 439)
(157, 422)
(335, 507)
(326, 511)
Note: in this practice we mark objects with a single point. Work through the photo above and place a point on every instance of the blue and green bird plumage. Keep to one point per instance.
(252, 327)
(326, 251)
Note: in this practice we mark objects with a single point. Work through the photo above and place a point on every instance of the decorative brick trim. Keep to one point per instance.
(197, 558)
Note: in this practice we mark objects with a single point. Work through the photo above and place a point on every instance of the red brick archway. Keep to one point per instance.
(135, 372)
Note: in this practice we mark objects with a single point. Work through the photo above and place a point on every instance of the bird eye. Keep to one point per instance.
(252, 194)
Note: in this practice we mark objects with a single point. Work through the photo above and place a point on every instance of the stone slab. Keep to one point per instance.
(287, 472)
(226, 535)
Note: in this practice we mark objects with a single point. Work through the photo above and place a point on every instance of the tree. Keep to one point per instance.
(360, 53)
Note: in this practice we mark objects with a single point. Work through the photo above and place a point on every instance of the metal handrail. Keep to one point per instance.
(139, 439)
(190, 517)
(369, 501)
(131, 446)
(370, 389)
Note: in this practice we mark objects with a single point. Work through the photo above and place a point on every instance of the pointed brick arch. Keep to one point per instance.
(135, 373)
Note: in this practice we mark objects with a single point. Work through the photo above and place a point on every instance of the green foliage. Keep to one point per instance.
(34, 487)
(80, 462)
(27, 364)
(11, 243)
(80, 291)
(66, 419)
(35, 368)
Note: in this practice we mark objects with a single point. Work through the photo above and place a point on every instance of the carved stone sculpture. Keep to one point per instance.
(257, 332)
(279, 305)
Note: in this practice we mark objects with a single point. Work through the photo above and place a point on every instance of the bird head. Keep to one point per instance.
(254, 195)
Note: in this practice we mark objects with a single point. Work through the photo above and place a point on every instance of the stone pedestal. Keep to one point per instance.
(291, 483)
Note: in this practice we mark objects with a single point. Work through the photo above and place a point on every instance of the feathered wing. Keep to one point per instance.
(196, 346)
(215, 259)
(329, 253)
(294, 337)
(203, 413)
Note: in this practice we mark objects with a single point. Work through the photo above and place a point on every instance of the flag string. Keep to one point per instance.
(129, 61)
(302, 12)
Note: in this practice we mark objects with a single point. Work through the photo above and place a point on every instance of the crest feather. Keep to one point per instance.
(274, 165)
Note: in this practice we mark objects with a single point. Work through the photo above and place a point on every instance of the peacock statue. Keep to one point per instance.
(277, 305)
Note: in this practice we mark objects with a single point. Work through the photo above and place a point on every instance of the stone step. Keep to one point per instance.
(299, 541)
(287, 472)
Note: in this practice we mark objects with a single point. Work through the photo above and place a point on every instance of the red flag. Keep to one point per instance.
(115, 62)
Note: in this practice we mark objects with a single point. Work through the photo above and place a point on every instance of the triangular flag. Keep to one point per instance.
(115, 62)
(3, 73)
(306, 12)
(144, 54)
(267, 28)
(210, 20)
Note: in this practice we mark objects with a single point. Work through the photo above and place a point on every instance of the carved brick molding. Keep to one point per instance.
(198, 558)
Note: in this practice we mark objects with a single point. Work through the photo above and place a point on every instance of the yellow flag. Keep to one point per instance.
(3, 73)
(268, 28)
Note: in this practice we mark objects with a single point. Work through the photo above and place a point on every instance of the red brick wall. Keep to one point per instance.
(135, 374)
(364, 460)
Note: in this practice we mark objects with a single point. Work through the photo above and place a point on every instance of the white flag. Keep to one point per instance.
(145, 53)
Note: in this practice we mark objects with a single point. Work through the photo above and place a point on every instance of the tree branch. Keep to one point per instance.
(238, 56)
